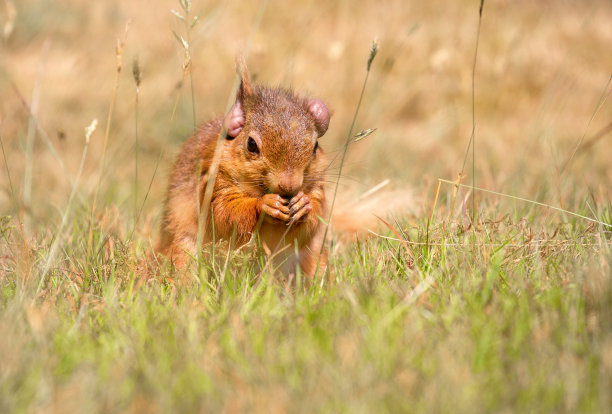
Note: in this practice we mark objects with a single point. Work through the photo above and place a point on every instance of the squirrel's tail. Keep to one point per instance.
(357, 217)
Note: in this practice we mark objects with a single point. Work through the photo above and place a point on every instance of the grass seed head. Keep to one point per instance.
(136, 72)
(90, 130)
(373, 52)
(9, 25)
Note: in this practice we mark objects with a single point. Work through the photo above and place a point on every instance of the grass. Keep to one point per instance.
(452, 305)
(501, 318)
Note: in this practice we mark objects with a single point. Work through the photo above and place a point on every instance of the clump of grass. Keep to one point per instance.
(495, 309)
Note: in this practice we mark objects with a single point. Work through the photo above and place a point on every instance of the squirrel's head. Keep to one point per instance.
(275, 134)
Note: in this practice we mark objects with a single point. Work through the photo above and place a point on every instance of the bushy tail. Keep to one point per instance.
(357, 216)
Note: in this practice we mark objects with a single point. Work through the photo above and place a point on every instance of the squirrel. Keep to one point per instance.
(268, 180)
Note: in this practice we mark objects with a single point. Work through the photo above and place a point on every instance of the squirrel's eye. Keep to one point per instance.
(316, 147)
(252, 146)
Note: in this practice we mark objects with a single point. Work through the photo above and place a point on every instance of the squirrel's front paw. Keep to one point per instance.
(299, 207)
(275, 206)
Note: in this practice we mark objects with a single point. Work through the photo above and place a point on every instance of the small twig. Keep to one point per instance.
(374, 189)
(527, 243)
(593, 140)
(528, 201)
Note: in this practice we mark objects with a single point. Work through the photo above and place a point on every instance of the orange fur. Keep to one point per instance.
(283, 180)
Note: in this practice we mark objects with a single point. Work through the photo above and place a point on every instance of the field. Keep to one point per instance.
(489, 288)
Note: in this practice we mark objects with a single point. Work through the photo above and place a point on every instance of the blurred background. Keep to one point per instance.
(541, 82)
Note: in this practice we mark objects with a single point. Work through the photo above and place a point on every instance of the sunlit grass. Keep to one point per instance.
(506, 316)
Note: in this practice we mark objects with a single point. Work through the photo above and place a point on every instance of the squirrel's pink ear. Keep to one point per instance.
(235, 118)
(320, 113)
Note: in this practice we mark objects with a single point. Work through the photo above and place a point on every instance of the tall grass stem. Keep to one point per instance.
(31, 134)
(216, 159)
(472, 141)
(13, 197)
(58, 236)
(111, 107)
(372, 55)
(602, 99)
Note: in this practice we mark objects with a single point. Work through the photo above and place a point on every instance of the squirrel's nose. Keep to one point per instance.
(289, 184)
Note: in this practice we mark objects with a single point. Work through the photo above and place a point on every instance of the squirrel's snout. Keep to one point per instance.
(289, 183)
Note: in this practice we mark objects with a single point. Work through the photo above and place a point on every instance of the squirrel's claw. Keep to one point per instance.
(299, 207)
(275, 207)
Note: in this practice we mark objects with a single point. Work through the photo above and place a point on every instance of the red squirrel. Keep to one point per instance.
(269, 180)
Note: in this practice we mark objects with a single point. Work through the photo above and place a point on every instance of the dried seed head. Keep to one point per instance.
(121, 44)
(373, 52)
(195, 21)
(136, 72)
(361, 135)
(90, 130)
(177, 14)
(187, 61)
(118, 52)
(186, 5)
(9, 25)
